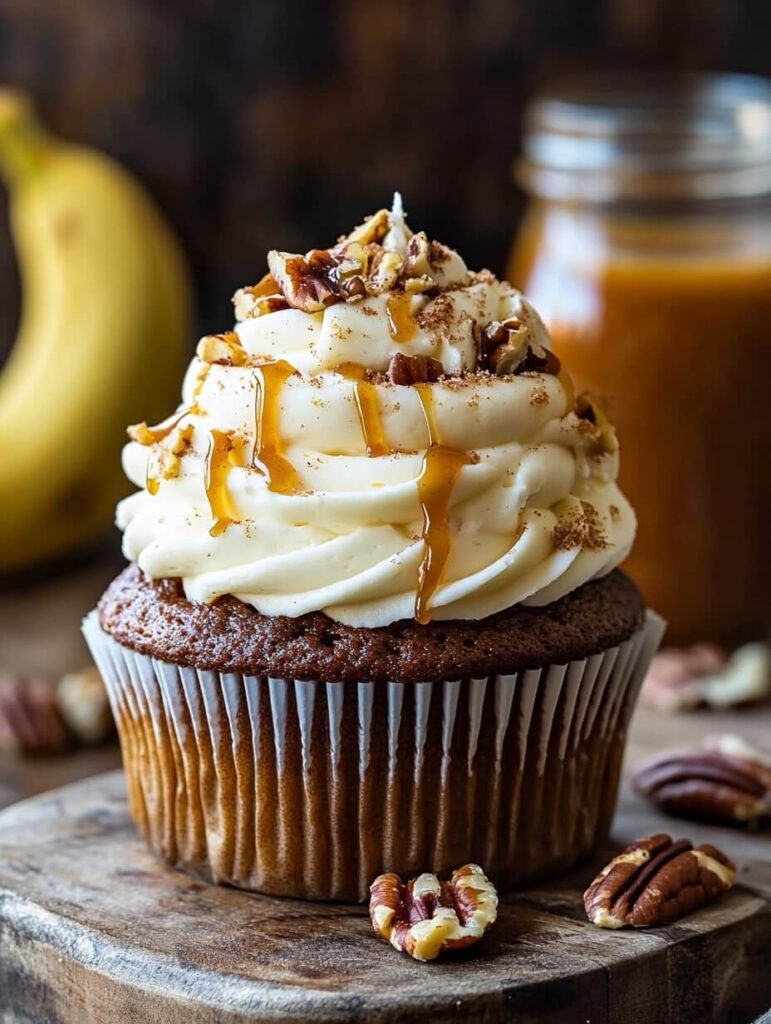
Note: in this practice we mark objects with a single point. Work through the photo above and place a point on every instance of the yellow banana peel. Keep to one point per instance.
(105, 323)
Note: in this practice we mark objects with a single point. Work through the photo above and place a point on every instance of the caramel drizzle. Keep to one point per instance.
(152, 482)
(438, 475)
(367, 409)
(146, 436)
(224, 452)
(401, 325)
(200, 380)
(281, 475)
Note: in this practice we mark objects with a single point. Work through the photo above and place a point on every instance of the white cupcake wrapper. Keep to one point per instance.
(311, 789)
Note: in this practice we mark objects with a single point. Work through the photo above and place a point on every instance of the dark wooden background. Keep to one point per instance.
(268, 122)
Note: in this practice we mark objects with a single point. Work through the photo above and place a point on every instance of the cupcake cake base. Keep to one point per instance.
(301, 757)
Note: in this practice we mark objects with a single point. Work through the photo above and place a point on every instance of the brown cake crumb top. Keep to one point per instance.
(155, 618)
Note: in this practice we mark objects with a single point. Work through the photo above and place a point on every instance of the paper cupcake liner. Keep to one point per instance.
(311, 789)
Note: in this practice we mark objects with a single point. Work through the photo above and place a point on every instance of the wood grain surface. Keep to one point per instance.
(93, 929)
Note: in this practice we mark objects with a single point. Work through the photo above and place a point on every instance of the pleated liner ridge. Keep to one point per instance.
(311, 789)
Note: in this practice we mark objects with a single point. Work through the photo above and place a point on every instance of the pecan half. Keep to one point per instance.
(726, 780)
(655, 881)
(405, 369)
(30, 719)
(426, 917)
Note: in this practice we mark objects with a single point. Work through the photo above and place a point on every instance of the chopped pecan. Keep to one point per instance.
(269, 304)
(224, 349)
(504, 345)
(425, 917)
(373, 230)
(321, 277)
(258, 299)
(595, 425)
(384, 272)
(509, 347)
(30, 719)
(655, 881)
(405, 369)
(418, 263)
(726, 780)
(540, 360)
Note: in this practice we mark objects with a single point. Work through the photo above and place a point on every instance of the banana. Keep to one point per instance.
(105, 321)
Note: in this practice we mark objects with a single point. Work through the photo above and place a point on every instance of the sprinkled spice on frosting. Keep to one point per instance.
(383, 435)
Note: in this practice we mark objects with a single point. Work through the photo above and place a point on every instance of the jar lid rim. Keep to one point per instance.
(636, 126)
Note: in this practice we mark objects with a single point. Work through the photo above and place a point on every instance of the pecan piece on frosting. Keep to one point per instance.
(225, 349)
(595, 425)
(426, 917)
(726, 780)
(405, 369)
(321, 277)
(373, 230)
(655, 881)
(510, 346)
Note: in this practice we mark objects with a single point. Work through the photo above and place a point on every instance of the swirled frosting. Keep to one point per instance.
(309, 469)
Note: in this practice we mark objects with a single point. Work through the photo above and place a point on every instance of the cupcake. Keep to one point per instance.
(373, 619)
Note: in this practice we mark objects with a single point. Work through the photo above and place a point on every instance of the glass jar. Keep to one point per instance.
(647, 249)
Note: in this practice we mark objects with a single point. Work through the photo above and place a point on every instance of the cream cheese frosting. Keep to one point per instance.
(308, 469)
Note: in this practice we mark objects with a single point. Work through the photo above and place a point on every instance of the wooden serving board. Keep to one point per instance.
(94, 929)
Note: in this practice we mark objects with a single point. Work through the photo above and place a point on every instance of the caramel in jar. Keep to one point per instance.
(647, 249)
(672, 321)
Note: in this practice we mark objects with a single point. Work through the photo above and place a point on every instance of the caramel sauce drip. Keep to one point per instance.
(225, 451)
(441, 468)
(281, 475)
(401, 325)
(426, 396)
(152, 482)
(144, 435)
(367, 409)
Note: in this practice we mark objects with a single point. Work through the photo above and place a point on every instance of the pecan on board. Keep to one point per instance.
(725, 780)
(425, 917)
(655, 881)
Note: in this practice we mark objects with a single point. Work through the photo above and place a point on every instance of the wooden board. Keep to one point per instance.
(94, 929)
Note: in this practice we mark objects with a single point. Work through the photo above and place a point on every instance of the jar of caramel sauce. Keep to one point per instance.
(647, 249)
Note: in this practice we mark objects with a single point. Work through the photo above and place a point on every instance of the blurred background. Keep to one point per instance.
(260, 124)
(270, 124)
